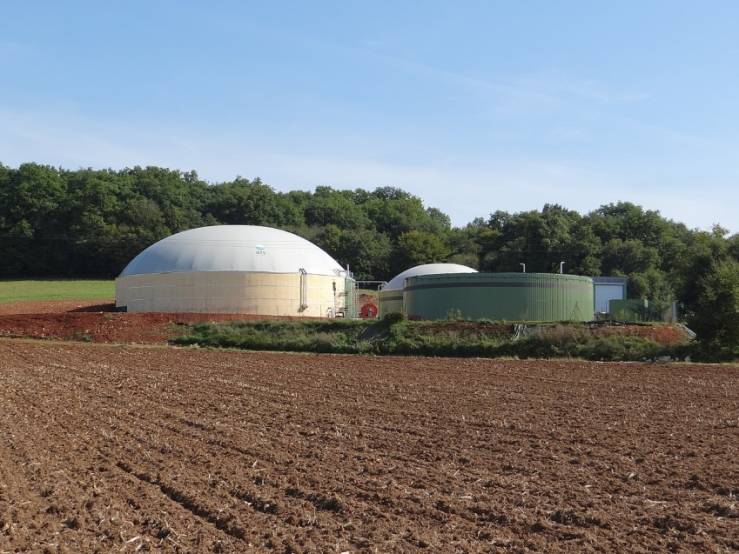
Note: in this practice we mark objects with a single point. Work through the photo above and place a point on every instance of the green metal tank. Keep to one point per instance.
(391, 295)
(350, 298)
(500, 296)
(391, 301)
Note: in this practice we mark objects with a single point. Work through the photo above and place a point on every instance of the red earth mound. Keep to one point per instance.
(115, 327)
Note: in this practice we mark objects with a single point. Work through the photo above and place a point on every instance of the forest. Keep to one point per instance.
(90, 223)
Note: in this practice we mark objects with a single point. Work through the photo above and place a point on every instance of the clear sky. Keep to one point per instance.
(475, 106)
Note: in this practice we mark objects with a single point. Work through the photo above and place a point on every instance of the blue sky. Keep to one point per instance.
(475, 106)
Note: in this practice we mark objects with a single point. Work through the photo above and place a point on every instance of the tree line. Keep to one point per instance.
(57, 222)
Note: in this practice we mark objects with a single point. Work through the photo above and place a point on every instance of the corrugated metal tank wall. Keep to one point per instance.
(500, 296)
(391, 301)
(233, 292)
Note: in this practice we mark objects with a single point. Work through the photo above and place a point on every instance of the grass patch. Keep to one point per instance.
(299, 336)
(396, 336)
(62, 289)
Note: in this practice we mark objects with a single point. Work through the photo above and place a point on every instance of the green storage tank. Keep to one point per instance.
(391, 295)
(391, 301)
(500, 296)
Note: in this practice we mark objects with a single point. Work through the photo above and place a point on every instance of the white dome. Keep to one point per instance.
(397, 282)
(233, 248)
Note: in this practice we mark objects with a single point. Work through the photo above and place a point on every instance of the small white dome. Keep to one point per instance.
(233, 248)
(397, 282)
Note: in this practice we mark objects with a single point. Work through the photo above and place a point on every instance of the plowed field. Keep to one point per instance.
(119, 449)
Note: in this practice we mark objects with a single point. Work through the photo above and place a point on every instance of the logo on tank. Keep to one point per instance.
(261, 250)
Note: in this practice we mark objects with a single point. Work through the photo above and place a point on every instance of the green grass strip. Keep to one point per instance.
(41, 290)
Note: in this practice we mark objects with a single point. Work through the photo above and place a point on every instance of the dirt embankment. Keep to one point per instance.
(95, 322)
(109, 448)
(150, 328)
(660, 333)
(664, 334)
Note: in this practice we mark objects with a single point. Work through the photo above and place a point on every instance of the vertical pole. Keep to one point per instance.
(303, 289)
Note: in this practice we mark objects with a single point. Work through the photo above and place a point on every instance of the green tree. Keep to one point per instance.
(367, 253)
(244, 202)
(418, 247)
(714, 312)
(394, 212)
(34, 218)
(541, 240)
(330, 207)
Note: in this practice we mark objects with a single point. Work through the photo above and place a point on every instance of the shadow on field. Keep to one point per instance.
(109, 307)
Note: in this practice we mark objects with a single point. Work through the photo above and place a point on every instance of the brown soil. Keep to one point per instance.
(54, 306)
(92, 321)
(117, 449)
(148, 328)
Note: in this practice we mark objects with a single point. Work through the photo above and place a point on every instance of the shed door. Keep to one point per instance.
(604, 293)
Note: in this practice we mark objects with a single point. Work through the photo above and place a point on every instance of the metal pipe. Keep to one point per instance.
(303, 289)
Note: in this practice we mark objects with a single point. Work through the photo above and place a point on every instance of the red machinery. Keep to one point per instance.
(368, 311)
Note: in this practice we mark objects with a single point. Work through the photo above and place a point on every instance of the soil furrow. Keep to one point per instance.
(160, 449)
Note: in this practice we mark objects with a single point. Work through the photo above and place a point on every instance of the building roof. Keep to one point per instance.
(601, 280)
(396, 283)
(233, 248)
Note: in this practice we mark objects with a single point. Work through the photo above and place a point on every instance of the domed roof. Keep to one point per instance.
(396, 283)
(233, 248)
